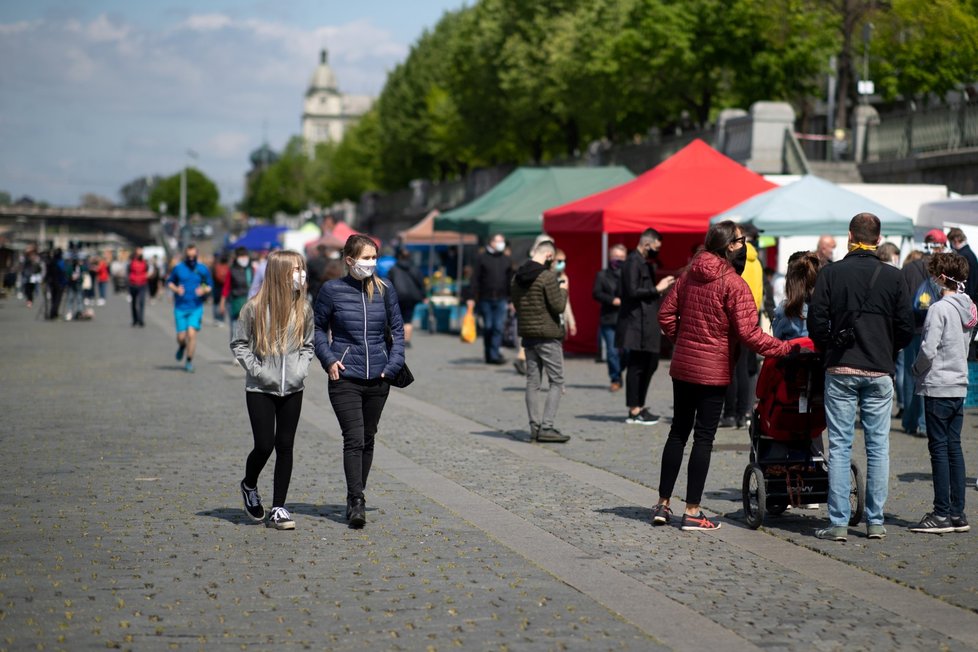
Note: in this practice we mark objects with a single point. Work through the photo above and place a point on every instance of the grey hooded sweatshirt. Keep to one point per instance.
(941, 367)
(279, 374)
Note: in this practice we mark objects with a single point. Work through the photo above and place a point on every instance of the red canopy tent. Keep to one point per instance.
(336, 238)
(677, 198)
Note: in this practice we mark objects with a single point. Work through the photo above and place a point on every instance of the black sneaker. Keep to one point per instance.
(551, 436)
(727, 422)
(933, 524)
(698, 522)
(643, 418)
(661, 514)
(280, 519)
(960, 523)
(180, 350)
(357, 513)
(252, 503)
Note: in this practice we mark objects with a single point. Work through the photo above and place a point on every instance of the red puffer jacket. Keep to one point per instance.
(708, 313)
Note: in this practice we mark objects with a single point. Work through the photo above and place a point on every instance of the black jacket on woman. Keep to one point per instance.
(638, 318)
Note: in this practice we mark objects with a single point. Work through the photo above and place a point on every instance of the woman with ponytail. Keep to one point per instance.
(352, 317)
(273, 341)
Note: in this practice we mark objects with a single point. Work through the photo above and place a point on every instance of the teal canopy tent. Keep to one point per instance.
(811, 206)
(515, 206)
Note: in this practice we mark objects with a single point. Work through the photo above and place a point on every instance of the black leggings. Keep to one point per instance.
(641, 366)
(358, 405)
(696, 408)
(274, 420)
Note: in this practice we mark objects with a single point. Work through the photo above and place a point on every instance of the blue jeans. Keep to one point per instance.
(913, 405)
(607, 335)
(944, 419)
(873, 397)
(493, 313)
(900, 380)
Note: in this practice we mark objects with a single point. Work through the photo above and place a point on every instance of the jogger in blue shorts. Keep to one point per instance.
(190, 282)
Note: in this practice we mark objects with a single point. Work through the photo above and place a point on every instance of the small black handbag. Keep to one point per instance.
(404, 377)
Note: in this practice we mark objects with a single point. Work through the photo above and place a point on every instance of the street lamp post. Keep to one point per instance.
(183, 198)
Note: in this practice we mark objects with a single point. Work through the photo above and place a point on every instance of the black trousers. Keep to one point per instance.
(56, 292)
(358, 405)
(274, 420)
(737, 402)
(697, 408)
(638, 376)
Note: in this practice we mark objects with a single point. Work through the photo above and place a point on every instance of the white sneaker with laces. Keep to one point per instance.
(280, 519)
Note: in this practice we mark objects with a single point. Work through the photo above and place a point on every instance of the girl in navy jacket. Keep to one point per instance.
(351, 317)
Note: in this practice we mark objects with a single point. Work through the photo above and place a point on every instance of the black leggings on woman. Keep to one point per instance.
(358, 405)
(274, 420)
(696, 408)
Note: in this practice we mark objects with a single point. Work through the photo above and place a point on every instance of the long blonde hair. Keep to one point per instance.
(280, 311)
(352, 249)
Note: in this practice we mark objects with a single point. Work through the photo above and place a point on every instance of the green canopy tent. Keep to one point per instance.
(515, 206)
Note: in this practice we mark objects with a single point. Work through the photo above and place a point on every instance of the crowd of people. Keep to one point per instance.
(890, 331)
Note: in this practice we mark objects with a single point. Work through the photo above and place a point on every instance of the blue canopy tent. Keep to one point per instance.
(261, 238)
(811, 206)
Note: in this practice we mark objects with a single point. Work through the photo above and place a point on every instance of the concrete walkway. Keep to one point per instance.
(125, 526)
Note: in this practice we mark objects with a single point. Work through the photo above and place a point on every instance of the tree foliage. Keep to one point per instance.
(516, 81)
(202, 195)
(135, 194)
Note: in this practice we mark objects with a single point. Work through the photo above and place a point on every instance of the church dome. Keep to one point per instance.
(263, 156)
(323, 78)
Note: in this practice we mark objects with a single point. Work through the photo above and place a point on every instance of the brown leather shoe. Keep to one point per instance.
(614, 387)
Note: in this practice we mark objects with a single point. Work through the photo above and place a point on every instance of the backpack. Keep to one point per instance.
(926, 295)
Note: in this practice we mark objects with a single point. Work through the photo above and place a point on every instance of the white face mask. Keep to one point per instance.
(243, 261)
(298, 280)
(499, 246)
(363, 269)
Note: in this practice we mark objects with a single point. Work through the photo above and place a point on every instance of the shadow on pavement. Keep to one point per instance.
(335, 513)
(517, 435)
(915, 476)
(604, 418)
(234, 515)
(176, 366)
(633, 512)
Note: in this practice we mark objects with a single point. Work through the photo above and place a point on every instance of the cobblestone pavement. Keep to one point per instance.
(125, 528)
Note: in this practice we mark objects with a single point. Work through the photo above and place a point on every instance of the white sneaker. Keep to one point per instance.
(280, 519)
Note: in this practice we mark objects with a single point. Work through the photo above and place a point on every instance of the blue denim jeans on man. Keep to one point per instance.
(945, 416)
(607, 334)
(872, 398)
(493, 313)
(913, 405)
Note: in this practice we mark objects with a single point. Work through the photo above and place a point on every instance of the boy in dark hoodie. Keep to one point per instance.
(540, 302)
(941, 370)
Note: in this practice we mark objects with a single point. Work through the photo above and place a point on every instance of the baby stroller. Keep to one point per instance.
(787, 463)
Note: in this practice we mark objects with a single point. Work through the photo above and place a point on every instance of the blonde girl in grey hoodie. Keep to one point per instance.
(273, 341)
(941, 371)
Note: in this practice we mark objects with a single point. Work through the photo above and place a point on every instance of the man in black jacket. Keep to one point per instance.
(607, 292)
(490, 289)
(860, 316)
(638, 324)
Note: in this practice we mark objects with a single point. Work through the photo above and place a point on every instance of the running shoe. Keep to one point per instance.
(960, 523)
(661, 514)
(180, 350)
(698, 522)
(875, 531)
(933, 524)
(280, 519)
(643, 418)
(833, 533)
(189, 367)
(252, 503)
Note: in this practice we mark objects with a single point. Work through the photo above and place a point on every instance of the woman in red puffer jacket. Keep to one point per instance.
(709, 314)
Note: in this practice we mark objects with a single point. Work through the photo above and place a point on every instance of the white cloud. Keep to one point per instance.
(122, 100)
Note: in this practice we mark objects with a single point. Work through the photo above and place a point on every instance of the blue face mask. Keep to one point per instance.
(615, 264)
(560, 265)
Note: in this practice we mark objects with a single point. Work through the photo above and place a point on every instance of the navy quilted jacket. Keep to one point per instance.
(350, 328)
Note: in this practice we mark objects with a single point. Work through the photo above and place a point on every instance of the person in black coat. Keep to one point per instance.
(409, 284)
(638, 323)
(607, 292)
(490, 283)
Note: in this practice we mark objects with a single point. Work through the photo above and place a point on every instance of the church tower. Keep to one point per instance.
(327, 113)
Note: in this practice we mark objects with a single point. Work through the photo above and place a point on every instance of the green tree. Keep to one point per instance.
(355, 161)
(202, 194)
(5, 198)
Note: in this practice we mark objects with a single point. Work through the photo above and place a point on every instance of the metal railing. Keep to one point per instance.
(942, 129)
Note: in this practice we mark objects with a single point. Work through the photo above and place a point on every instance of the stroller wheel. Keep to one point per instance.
(776, 509)
(857, 495)
(755, 496)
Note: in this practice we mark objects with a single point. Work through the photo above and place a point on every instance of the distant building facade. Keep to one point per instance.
(327, 113)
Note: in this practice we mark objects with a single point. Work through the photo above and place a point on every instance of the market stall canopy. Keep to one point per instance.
(336, 238)
(514, 207)
(423, 233)
(679, 195)
(812, 206)
(261, 238)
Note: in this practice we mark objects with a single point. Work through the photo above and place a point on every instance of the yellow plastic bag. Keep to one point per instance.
(468, 327)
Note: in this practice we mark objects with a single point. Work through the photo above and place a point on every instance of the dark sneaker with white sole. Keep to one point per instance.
(552, 436)
(933, 524)
(252, 503)
(280, 519)
(643, 418)
(661, 514)
(698, 522)
(960, 523)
